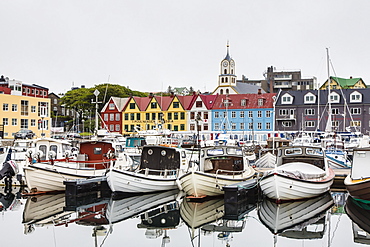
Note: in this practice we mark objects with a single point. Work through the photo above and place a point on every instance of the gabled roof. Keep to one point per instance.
(142, 102)
(120, 103)
(187, 100)
(345, 83)
(164, 101)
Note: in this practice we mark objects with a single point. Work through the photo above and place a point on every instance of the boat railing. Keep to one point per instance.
(78, 165)
(163, 173)
(228, 172)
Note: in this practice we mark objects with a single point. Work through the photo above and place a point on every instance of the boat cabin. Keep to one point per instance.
(304, 154)
(360, 163)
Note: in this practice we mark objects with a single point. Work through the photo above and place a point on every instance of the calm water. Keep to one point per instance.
(165, 219)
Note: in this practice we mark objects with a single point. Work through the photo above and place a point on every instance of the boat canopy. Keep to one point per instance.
(160, 158)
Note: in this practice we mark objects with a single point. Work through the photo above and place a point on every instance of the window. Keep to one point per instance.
(33, 108)
(111, 117)
(243, 102)
(111, 127)
(118, 128)
(175, 116)
(24, 107)
(250, 126)
(111, 106)
(217, 126)
(126, 116)
(176, 105)
(33, 122)
(250, 114)
(309, 123)
(147, 116)
(335, 123)
(192, 126)
(153, 116)
(268, 114)
(283, 112)
(216, 114)
(355, 111)
(287, 124)
(334, 111)
(268, 125)
(241, 114)
(176, 128)
(132, 105)
(260, 102)
(14, 107)
(182, 127)
(259, 114)
(169, 115)
(309, 111)
(5, 107)
(14, 122)
(43, 109)
(259, 126)
(356, 97)
(355, 123)
(5, 121)
(205, 127)
(286, 99)
(118, 116)
(205, 115)
(233, 126)
(138, 116)
(334, 97)
(153, 105)
(132, 116)
(242, 126)
(198, 104)
(309, 98)
(24, 123)
(182, 115)
(233, 114)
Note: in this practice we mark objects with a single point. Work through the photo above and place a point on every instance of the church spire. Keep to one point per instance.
(228, 58)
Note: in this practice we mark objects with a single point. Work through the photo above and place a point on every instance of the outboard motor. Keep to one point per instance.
(9, 170)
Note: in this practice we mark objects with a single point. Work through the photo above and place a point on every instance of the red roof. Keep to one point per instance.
(251, 101)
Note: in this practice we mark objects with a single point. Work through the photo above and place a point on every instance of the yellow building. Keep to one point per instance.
(24, 112)
(341, 83)
(146, 113)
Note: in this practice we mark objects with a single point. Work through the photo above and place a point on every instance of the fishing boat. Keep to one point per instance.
(300, 172)
(358, 181)
(359, 212)
(291, 219)
(219, 166)
(55, 161)
(159, 169)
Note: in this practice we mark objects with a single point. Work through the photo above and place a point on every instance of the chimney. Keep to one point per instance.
(259, 91)
(150, 95)
(172, 94)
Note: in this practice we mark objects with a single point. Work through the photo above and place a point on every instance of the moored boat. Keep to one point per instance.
(218, 167)
(55, 162)
(300, 172)
(358, 181)
(159, 169)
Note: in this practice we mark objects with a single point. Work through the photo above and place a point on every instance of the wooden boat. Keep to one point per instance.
(358, 181)
(54, 162)
(158, 171)
(219, 166)
(300, 172)
(358, 211)
(291, 219)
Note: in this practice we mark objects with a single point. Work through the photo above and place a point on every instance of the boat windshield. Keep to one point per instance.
(314, 151)
(293, 151)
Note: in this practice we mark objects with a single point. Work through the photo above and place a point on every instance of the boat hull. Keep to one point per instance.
(201, 184)
(44, 177)
(359, 188)
(133, 182)
(280, 187)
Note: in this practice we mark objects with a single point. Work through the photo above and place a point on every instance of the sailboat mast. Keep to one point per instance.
(329, 123)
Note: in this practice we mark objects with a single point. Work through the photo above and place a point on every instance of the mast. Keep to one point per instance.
(328, 123)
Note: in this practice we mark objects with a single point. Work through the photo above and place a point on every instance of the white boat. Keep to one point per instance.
(219, 166)
(358, 181)
(54, 162)
(292, 218)
(300, 172)
(159, 169)
(267, 160)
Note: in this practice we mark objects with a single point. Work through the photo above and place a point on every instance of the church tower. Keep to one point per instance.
(227, 75)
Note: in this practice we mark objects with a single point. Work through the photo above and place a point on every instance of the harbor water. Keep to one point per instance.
(169, 219)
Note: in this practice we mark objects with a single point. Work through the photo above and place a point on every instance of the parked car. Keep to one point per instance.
(24, 134)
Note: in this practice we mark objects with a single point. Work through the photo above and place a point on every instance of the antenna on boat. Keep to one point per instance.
(96, 93)
(328, 123)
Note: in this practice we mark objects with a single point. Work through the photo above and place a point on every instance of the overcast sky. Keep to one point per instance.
(149, 45)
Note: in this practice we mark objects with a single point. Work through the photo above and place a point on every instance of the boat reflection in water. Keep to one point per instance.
(208, 216)
(295, 219)
(359, 212)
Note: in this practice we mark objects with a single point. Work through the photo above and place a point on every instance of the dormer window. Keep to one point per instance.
(286, 99)
(309, 98)
(243, 102)
(334, 97)
(260, 102)
(356, 97)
